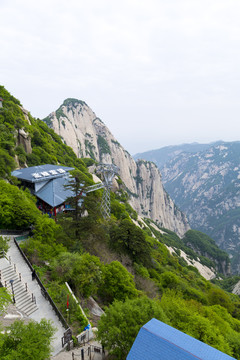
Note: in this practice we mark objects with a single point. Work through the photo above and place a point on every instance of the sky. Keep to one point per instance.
(157, 72)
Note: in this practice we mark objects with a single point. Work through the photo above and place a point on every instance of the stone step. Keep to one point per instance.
(20, 291)
(8, 285)
(26, 304)
(44, 308)
(28, 308)
(23, 299)
(9, 275)
(7, 270)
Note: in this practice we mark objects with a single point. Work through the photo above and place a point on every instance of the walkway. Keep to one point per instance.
(44, 310)
(75, 354)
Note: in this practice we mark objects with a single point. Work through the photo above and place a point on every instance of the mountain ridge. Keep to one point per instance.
(162, 155)
(88, 136)
(205, 185)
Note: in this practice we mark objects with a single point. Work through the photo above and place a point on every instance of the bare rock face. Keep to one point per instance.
(25, 140)
(88, 136)
(236, 289)
(25, 114)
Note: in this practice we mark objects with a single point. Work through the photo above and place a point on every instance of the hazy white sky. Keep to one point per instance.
(157, 72)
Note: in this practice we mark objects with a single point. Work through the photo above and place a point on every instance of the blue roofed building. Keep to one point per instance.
(159, 341)
(47, 183)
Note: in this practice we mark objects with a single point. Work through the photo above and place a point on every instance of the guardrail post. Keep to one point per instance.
(33, 298)
(26, 287)
(20, 276)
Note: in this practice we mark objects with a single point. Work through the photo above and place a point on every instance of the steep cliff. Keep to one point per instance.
(88, 136)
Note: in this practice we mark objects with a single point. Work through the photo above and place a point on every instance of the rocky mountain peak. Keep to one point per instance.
(80, 128)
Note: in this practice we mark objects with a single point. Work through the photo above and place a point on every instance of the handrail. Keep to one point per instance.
(43, 289)
(13, 232)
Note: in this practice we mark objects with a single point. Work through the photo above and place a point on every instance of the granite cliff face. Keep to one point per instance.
(88, 136)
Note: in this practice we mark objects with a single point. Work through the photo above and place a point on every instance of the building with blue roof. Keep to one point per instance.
(47, 182)
(159, 341)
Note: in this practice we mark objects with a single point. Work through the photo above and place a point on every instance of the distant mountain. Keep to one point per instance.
(161, 156)
(205, 184)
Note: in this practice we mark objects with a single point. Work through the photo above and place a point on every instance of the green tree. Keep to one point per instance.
(4, 245)
(5, 299)
(76, 185)
(17, 207)
(201, 322)
(169, 280)
(31, 341)
(45, 229)
(220, 297)
(83, 272)
(119, 326)
(126, 237)
(117, 283)
(7, 164)
(43, 245)
(88, 274)
(204, 330)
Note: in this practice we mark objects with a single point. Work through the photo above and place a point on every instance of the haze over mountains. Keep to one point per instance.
(204, 181)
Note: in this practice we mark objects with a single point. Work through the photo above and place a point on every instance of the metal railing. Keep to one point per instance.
(43, 289)
(13, 232)
(5, 283)
(86, 354)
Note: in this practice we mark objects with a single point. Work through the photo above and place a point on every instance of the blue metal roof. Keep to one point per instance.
(157, 340)
(49, 181)
(41, 172)
(54, 193)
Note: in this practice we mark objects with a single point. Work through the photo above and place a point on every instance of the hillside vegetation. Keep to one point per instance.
(122, 262)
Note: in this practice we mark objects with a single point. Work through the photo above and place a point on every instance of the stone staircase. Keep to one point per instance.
(24, 300)
(20, 272)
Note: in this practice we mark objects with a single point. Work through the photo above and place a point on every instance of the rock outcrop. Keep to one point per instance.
(24, 139)
(88, 136)
(236, 289)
